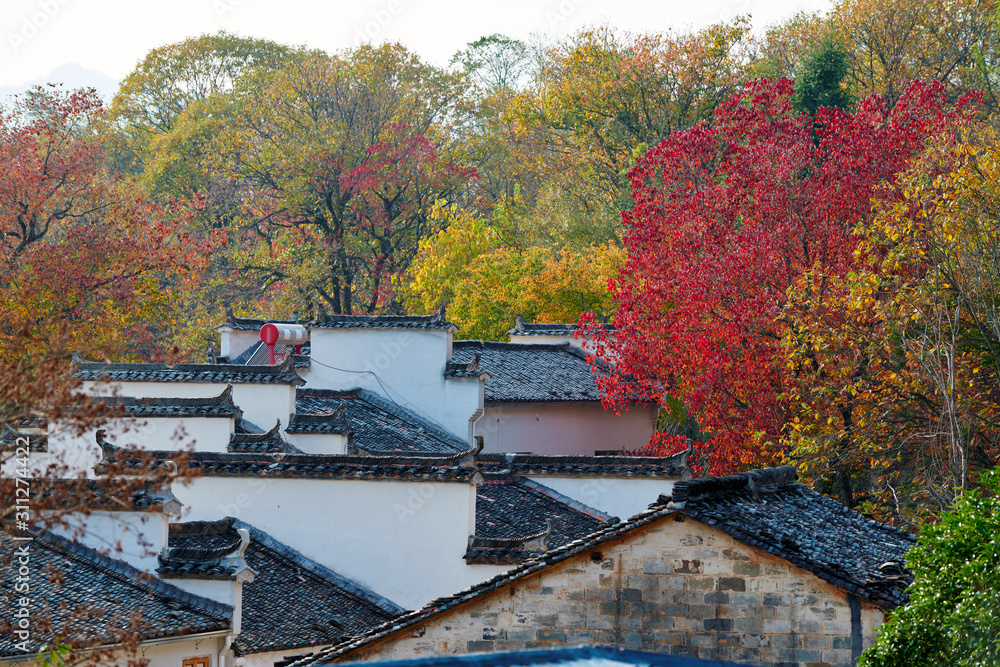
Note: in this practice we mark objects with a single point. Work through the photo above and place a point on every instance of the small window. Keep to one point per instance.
(203, 661)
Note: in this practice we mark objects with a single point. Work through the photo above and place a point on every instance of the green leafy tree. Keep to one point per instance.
(495, 62)
(951, 618)
(820, 81)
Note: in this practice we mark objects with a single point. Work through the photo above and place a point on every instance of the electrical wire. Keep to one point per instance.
(386, 391)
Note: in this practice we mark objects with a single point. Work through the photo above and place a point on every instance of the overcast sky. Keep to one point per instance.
(112, 36)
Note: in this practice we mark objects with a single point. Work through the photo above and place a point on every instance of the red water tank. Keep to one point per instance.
(293, 335)
(286, 334)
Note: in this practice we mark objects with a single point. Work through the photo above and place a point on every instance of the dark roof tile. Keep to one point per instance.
(805, 528)
(628, 466)
(215, 406)
(293, 601)
(766, 509)
(511, 511)
(437, 321)
(535, 373)
(222, 373)
(459, 468)
(253, 442)
(379, 426)
(99, 596)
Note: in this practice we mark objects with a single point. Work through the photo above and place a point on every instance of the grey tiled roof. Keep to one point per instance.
(379, 426)
(510, 508)
(202, 550)
(222, 373)
(257, 355)
(314, 466)
(613, 466)
(92, 599)
(114, 494)
(249, 323)
(293, 602)
(568, 330)
(535, 373)
(270, 442)
(770, 511)
(436, 321)
(780, 515)
(326, 423)
(11, 438)
(528, 329)
(215, 406)
(296, 602)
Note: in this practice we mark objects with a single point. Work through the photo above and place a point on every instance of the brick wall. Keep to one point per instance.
(676, 586)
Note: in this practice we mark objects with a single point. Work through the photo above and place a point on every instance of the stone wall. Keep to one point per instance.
(676, 586)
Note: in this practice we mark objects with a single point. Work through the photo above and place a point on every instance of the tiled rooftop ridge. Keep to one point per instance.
(729, 494)
(213, 406)
(269, 442)
(283, 373)
(436, 321)
(380, 426)
(125, 571)
(628, 466)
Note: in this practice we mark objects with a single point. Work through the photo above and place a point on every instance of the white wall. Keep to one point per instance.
(319, 443)
(622, 497)
(410, 365)
(141, 535)
(261, 403)
(174, 653)
(402, 539)
(235, 342)
(225, 591)
(563, 428)
(154, 389)
(76, 454)
(203, 434)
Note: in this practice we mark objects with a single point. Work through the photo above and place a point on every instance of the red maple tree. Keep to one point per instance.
(727, 216)
(78, 245)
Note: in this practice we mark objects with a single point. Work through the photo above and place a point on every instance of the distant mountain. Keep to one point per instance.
(72, 76)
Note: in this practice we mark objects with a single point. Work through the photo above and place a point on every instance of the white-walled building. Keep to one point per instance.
(410, 464)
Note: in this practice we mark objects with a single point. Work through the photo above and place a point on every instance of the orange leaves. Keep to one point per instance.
(79, 245)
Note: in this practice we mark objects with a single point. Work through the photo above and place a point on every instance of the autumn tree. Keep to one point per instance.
(607, 96)
(341, 159)
(727, 218)
(892, 44)
(85, 266)
(896, 362)
(155, 97)
(76, 242)
(495, 62)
